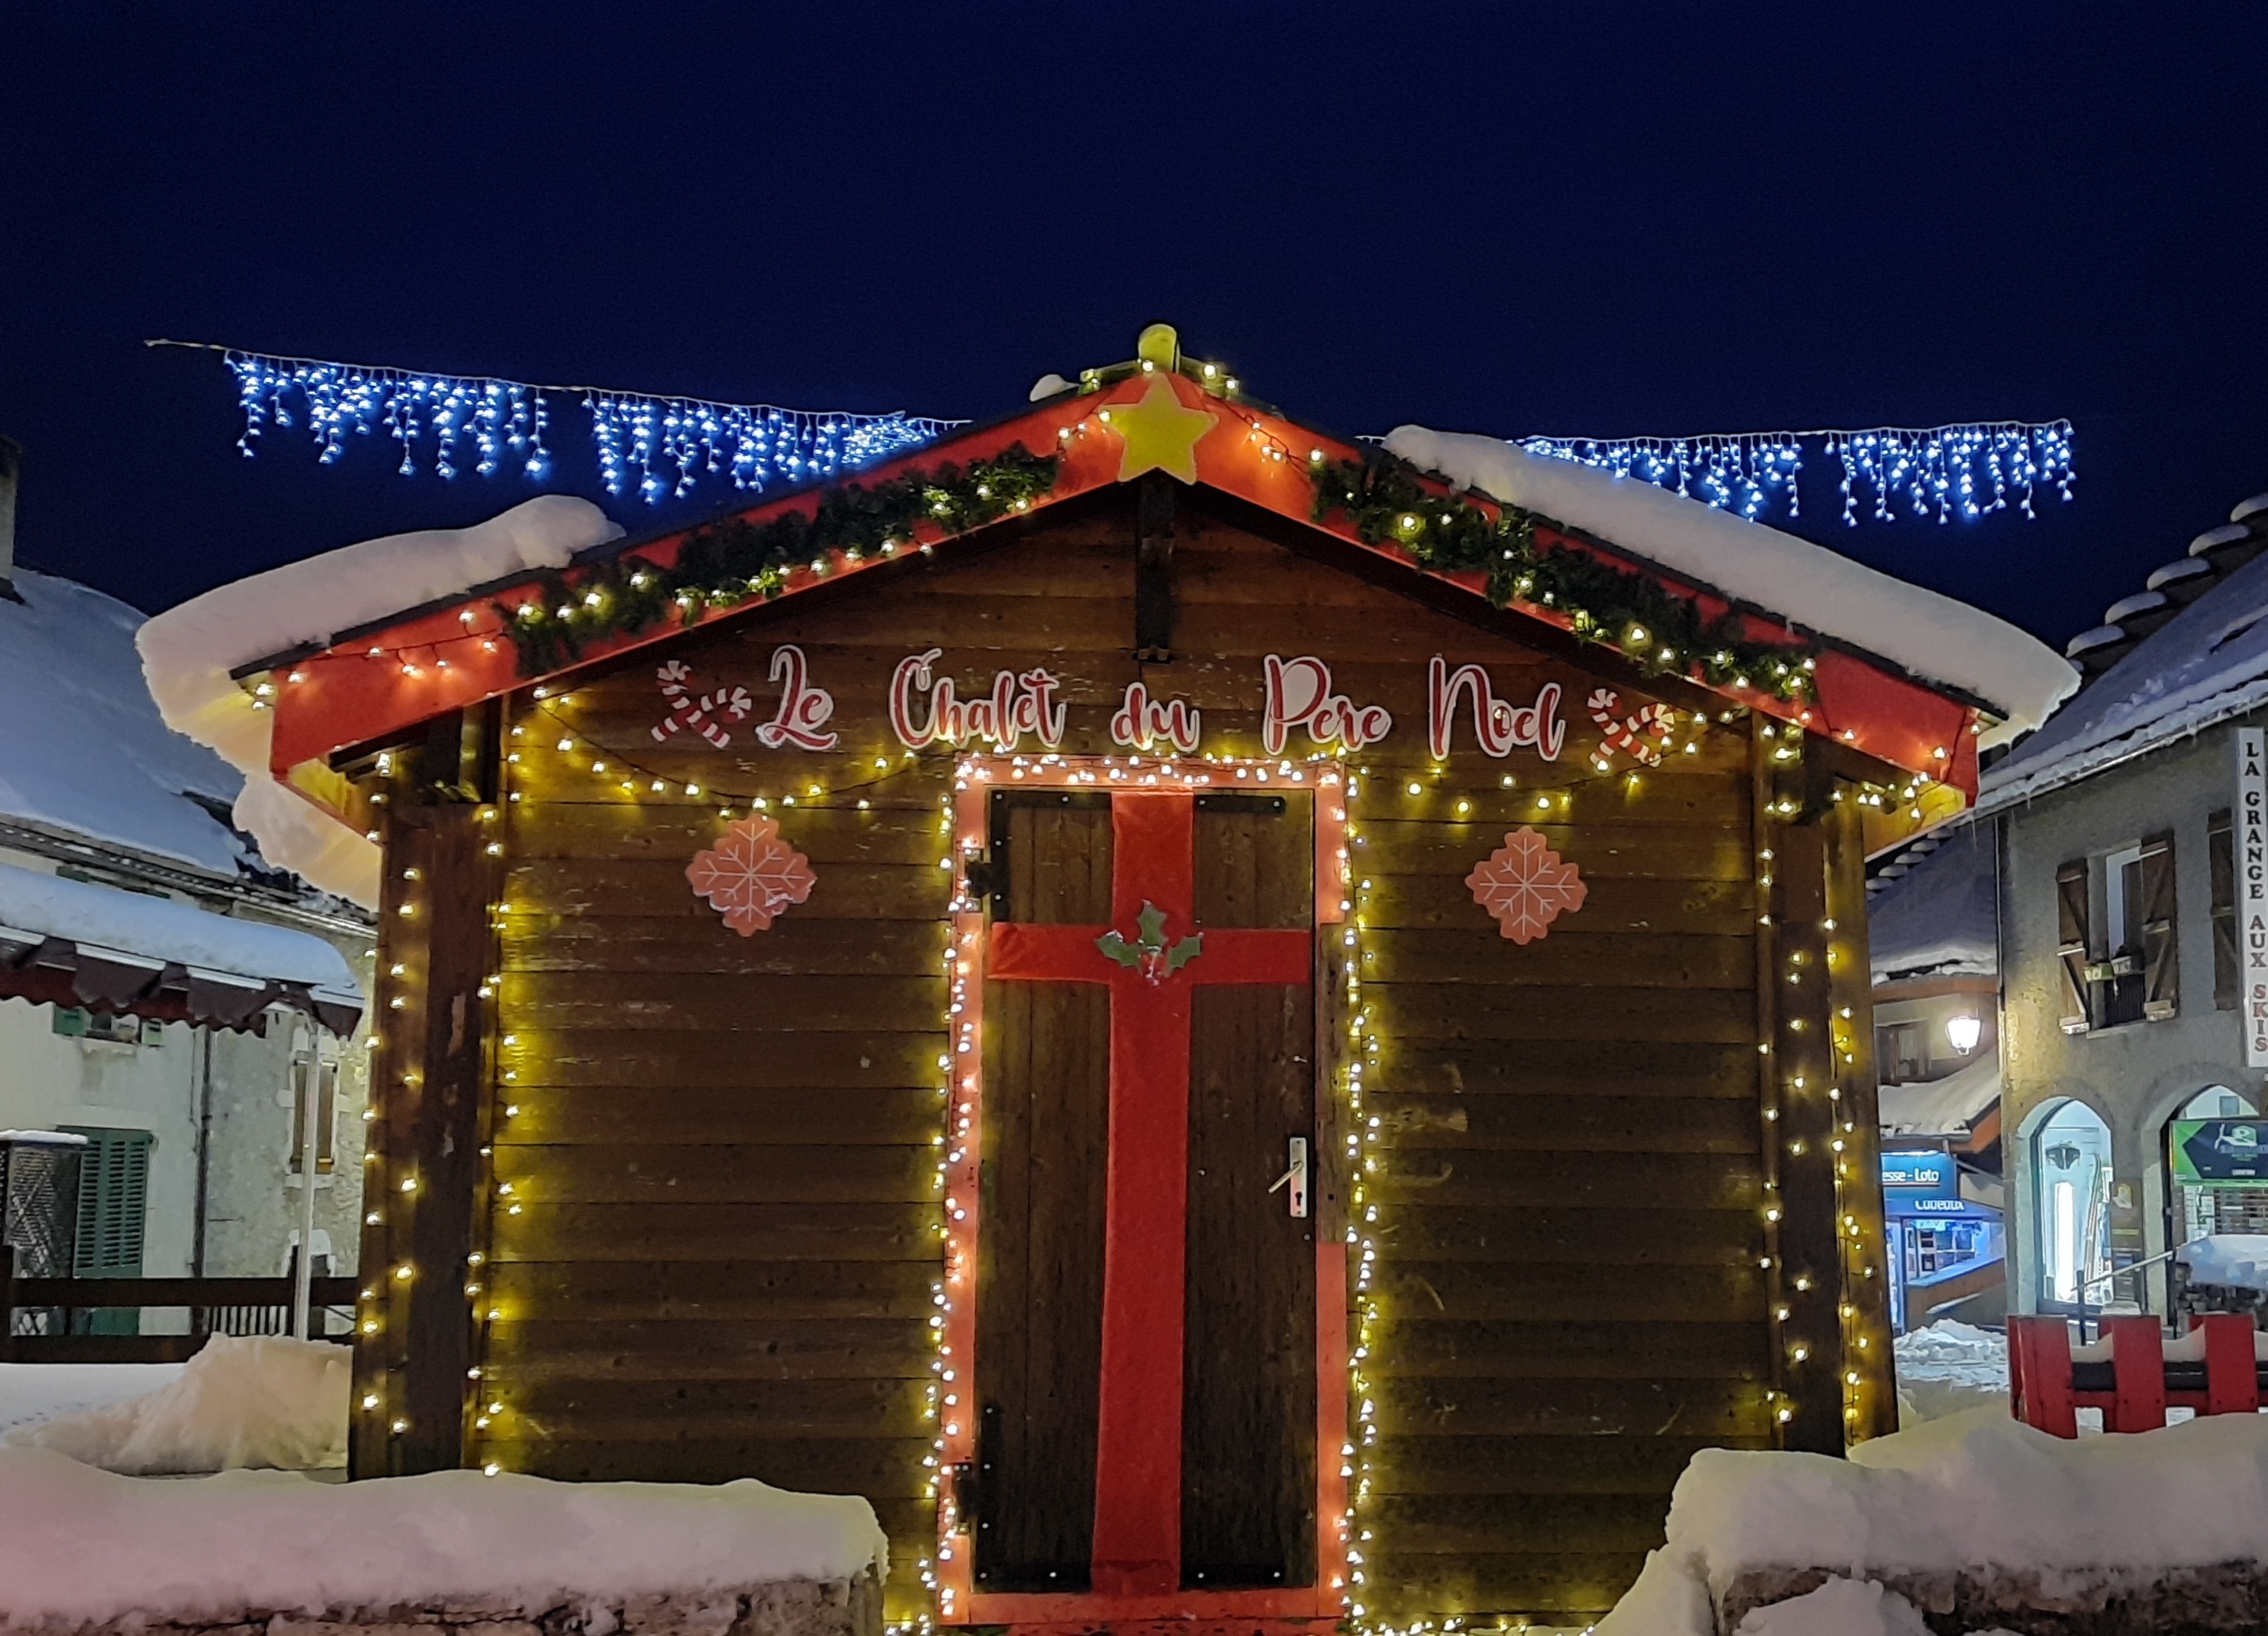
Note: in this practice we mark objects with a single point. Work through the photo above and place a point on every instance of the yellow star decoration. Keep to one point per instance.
(1160, 435)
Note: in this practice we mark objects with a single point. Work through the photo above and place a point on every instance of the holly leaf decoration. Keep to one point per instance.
(1152, 920)
(1118, 948)
(1183, 952)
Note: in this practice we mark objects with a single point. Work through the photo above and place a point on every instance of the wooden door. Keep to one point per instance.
(1247, 1410)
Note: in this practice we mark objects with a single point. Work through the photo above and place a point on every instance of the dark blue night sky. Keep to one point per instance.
(1507, 219)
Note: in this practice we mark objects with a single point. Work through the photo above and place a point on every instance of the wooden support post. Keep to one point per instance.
(414, 1336)
(1867, 1252)
(1796, 1058)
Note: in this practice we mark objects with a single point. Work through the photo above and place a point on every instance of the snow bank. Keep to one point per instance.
(2234, 1258)
(1978, 1494)
(81, 749)
(187, 652)
(1841, 1607)
(1949, 1368)
(84, 1545)
(1931, 636)
(242, 1401)
(42, 1391)
(157, 928)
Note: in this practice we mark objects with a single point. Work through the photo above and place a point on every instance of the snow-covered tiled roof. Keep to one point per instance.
(81, 748)
(1946, 1107)
(2206, 664)
(1940, 918)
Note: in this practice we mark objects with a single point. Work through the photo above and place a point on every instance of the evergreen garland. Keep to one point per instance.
(724, 564)
(1659, 630)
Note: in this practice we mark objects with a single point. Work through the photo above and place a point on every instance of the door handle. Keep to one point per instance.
(1295, 1177)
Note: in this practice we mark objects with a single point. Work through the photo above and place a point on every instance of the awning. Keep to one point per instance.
(74, 943)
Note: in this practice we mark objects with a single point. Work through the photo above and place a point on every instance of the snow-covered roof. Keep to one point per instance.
(82, 750)
(1946, 1107)
(131, 951)
(2206, 664)
(1940, 918)
(1932, 637)
(187, 652)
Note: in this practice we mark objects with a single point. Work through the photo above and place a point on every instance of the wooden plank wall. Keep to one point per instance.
(726, 1149)
(1568, 1182)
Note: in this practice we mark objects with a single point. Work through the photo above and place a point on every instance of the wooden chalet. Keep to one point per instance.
(1225, 1031)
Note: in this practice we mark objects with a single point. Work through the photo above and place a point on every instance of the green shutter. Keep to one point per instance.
(70, 1020)
(113, 1203)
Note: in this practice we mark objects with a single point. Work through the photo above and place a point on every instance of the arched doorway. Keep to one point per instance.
(2195, 1206)
(2069, 1157)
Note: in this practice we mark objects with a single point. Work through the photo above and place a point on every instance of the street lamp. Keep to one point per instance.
(1963, 1033)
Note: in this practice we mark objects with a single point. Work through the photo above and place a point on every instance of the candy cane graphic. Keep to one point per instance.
(1623, 734)
(699, 712)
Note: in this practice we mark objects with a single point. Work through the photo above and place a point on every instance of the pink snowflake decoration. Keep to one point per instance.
(751, 875)
(1526, 886)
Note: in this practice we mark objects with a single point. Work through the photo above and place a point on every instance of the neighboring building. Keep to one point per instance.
(165, 992)
(2118, 938)
(1931, 930)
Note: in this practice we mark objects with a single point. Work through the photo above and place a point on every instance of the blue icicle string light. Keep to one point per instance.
(663, 446)
(1737, 471)
(502, 419)
(1965, 470)
(652, 437)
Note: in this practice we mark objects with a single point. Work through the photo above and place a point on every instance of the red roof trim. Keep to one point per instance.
(446, 656)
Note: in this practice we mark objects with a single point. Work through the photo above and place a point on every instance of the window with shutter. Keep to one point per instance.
(2162, 964)
(2220, 856)
(114, 1202)
(2071, 945)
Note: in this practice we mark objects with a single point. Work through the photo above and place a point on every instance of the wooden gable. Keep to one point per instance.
(1589, 1183)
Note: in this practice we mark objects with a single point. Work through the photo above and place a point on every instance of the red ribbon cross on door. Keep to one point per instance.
(1138, 1468)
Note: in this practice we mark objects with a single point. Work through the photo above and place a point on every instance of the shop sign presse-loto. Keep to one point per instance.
(2251, 861)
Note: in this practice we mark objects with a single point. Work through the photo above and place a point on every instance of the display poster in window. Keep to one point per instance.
(2251, 860)
(2219, 1153)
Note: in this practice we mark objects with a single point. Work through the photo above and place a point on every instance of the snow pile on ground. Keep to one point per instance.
(1931, 636)
(187, 652)
(2236, 1258)
(214, 1547)
(81, 749)
(1949, 1368)
(254, 1400)
(41, 1392)
(1841, 1607)
(1978, 1494)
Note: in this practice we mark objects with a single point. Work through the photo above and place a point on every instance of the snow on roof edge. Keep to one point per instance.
(190, 650)
(1931, 636)
(159, 928)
